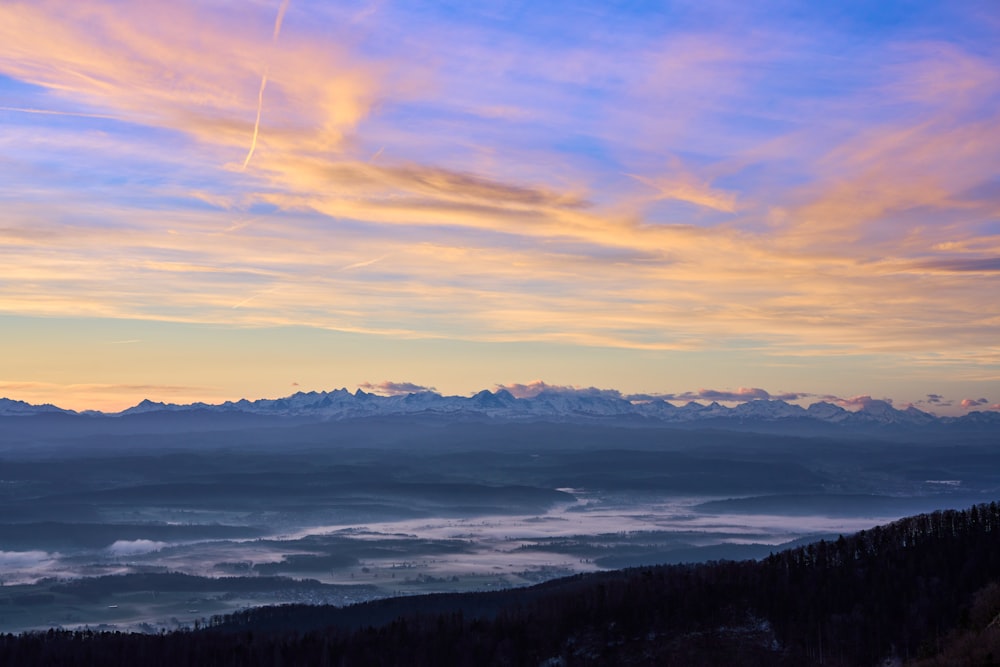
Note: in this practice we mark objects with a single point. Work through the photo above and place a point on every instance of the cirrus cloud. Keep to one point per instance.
(661, 187)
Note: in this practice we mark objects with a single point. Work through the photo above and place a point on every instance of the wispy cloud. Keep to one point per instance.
(253, 297)
(189, 73)
(686, 187)
(362, 264)
(13, 386)
(973, 265)
(657, 187)
(936, 401)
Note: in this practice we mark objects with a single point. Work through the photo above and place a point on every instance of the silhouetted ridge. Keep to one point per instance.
(894, 590)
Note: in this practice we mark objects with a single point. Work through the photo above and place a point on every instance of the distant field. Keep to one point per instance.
(402, 507)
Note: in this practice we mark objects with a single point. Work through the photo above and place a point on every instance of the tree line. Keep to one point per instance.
(914, 589)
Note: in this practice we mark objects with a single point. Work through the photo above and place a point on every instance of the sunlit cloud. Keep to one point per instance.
(740, 395)
(388, 388)
(533, 389)
(182, 68)
(658, 187)
(861, 401)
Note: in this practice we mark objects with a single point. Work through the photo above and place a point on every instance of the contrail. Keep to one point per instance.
(256, 125)
(253, 296)
(358, 265)
(263, 81)
(281, 17)
(51, 112)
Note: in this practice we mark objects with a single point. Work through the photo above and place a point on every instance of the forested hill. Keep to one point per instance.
(910, 589)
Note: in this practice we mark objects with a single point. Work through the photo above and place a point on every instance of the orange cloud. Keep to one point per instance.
(868, 252)
(875, 187)
(187, 69)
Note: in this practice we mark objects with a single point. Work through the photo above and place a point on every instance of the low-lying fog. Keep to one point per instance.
(589, 534)
(393, 509)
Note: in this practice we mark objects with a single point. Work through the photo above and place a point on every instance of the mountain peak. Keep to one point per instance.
(562, 405)
(13, 407)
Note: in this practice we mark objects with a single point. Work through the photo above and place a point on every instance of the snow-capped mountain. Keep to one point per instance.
(828, 412)
(584, 405)
(767, 409)
(12, 408)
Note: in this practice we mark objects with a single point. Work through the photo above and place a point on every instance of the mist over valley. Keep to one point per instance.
(159, 518)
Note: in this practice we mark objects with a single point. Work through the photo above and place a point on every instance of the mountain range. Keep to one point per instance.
(553, 405)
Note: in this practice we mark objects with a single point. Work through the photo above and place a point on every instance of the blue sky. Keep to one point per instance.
(259, 197)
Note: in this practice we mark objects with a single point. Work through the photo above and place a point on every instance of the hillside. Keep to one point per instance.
(907, 590)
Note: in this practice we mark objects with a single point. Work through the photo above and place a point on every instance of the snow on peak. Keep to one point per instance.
(555, 403)
(11, 407)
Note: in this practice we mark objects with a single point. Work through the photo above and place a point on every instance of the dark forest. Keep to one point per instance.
(923, 590)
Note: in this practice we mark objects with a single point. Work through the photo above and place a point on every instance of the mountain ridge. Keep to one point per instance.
(339, 404)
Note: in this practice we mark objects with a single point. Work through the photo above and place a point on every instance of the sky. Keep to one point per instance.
(220, 199)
